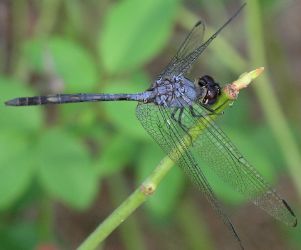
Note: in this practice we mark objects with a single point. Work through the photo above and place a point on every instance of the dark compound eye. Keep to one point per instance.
(212, 93)
(210, 88)
(206, 80)
(201, 82)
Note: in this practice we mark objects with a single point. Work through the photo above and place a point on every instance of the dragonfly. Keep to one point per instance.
(170, 107)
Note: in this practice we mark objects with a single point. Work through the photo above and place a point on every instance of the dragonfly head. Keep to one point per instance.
(210, 90)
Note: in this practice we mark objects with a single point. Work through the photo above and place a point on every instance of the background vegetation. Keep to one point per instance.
(63, 169)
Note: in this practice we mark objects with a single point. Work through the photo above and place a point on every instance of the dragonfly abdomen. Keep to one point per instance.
(49, 99)
(73, 98)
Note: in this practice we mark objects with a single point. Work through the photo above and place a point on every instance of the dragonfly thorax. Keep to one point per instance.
(209, 89)
(175, 92)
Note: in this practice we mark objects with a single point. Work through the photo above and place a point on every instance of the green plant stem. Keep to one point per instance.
(149, 186)
(128, 206)
(114, 220)
(129, 231)
(267, 97)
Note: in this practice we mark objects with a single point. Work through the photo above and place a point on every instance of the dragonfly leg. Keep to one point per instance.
(217, 108)
(211, 112)
(185, 128)
(173, 116)
(194, 114)
(173, 113)
(180, 120)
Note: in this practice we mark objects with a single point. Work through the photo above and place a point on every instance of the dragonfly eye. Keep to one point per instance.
(212, 94)
(210, 89)
(205, 81)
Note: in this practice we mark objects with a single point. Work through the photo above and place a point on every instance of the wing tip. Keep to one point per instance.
(236, 236)
(294, 224)
(198, 23)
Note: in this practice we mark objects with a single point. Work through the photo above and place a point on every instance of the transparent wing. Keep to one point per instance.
(192, 48)
(217, 153)
(173, 140)
(193, 40)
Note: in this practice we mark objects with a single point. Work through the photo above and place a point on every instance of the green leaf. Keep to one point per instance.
(68, 59)
(74, 64)
(116, 154)
(134, 31)
(80, 116)
(22, 119)
(20, 235)
(16, 166)
(123, 114)
(65, 170)
(164, 201)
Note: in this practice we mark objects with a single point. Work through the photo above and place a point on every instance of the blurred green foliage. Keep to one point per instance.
(69, 60)
(142, 36)
(66, 152)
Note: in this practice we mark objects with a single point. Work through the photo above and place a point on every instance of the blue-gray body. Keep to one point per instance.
(175, 92)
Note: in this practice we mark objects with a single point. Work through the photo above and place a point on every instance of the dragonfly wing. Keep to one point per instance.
(218, 154)
(171, 137)
(193, 40)
(192, 48)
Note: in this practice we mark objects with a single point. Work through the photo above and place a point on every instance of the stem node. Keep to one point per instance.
(148, 187)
